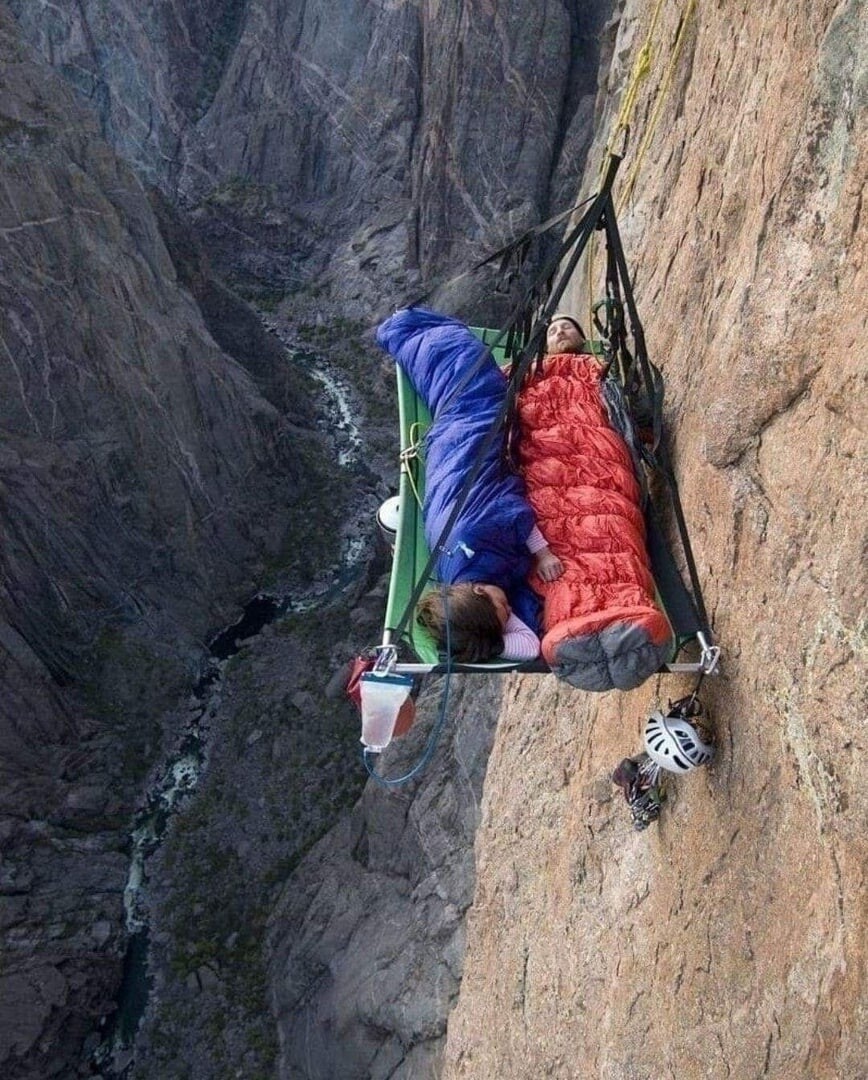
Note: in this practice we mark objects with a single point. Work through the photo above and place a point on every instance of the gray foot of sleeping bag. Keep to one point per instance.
(620, 657)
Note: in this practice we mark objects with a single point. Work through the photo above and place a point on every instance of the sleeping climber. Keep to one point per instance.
(514, 539)
(495, 550)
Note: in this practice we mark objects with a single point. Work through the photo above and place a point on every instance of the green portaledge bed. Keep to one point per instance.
(411, 550)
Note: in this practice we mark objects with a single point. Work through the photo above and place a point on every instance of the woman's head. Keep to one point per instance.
(477, 616)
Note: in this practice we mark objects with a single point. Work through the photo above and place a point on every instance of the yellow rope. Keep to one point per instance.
(658, 104)
(641, 68)
(410, 454)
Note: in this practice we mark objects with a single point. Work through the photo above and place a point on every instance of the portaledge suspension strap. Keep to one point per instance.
(658, 458)
(504, 254)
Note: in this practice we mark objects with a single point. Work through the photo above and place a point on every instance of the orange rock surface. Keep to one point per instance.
(729, 939)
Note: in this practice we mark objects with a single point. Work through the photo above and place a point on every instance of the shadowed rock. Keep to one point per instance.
(142, 474)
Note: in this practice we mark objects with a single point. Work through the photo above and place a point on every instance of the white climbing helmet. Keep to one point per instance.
(674, 743)
(388, 518)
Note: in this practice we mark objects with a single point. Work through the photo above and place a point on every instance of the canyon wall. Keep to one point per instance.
(340, 153)
(130, 528)
(729, 939)
(161, 458)
(325, 159)
(366, 942)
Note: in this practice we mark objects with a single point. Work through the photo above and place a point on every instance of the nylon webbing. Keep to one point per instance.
(658, 458)
(502, 253)
(577, 238)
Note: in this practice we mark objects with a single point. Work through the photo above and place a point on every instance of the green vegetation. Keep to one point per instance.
(283, 761)
(217, 918)
(311, 544)
(244, 195)
(263, 804)
(129, 688)
(264, 297)
(337, 329)
(11, 129)
(348, 345)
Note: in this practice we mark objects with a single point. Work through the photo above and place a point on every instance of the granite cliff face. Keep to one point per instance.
(130, 528)
(328, 150)
(158, 161)
(728, 941)
(366, 942)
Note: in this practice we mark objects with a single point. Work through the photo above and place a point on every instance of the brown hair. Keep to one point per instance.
(475, 633)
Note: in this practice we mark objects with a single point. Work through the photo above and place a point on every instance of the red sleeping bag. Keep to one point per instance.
(602, 628)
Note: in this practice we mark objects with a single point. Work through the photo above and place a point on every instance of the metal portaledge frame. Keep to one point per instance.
(426, 669)
(387, 655)
(490, 667)
(708, 662)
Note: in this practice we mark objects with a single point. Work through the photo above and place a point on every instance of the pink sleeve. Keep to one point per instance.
(519, 641)
(536, 541)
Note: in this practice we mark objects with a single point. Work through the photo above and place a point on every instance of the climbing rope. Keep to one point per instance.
(657, 109)
(409, 455)
(641, 69)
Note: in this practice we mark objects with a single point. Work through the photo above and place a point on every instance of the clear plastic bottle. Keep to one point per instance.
(382, 698)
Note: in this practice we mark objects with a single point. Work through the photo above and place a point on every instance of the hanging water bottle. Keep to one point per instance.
(382, 698)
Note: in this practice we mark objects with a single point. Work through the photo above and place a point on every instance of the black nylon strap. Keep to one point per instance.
(665, 468)
(535, 347)
(681, 610)
(652, 386)
(502, 253)
(578, 235)
(658, 457)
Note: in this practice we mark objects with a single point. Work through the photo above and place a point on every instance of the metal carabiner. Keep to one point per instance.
(387, 657)
(709, 657)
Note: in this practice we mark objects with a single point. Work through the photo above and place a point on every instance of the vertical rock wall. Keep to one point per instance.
(385, 142)
(129, 526)
(725, 941)
(352, 148)
(149, 71)
(366, 943)
(404, 139)
(729, 940)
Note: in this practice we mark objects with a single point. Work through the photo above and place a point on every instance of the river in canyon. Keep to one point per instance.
(177, 779)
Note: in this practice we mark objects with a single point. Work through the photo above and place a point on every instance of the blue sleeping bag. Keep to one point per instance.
(488, 541)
